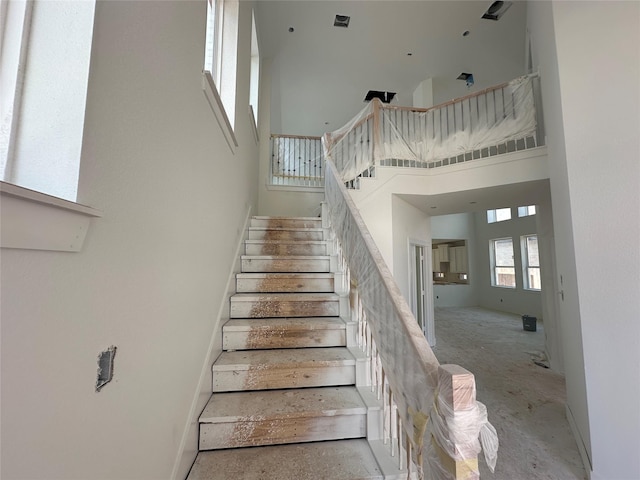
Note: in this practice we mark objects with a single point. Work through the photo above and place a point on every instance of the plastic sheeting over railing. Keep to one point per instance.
(297, 161)
(407, 361)
(496, 120)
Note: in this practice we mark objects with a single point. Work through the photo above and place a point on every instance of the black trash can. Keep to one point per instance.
(529, 323)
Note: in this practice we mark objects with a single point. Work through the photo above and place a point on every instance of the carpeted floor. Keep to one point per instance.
(525, 401)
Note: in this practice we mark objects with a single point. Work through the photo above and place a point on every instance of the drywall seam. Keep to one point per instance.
(205, 372)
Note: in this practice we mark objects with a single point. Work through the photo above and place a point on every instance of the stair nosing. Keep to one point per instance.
(323, 323)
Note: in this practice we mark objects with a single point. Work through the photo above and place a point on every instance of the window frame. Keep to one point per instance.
(493, 258)
(526, 267)
(494, 214)
(526, 211)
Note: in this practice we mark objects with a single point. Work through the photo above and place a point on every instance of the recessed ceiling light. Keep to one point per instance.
(433, 207)
(342, 21)
(291, 29)
(496, 10)
(409, 54)
(472, 203)
(326, 123)
(466, 33)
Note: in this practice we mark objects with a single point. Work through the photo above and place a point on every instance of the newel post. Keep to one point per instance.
(457, 388)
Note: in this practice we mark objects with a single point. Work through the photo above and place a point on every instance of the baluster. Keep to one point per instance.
(399, 435)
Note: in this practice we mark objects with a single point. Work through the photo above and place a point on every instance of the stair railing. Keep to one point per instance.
(493, 121)
(431, 421)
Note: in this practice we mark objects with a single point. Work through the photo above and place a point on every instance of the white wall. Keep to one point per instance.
(411, 225)
(152, 276)
(597, 45)
(542, 32)
(461, 226)
(50, 123)
(279, 200)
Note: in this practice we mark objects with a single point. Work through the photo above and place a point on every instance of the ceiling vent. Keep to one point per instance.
(385, 97)
(342, 21)
(467, 77)
(496, 10)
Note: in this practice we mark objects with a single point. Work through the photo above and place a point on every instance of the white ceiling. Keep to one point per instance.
(320, 73)
(513, 195)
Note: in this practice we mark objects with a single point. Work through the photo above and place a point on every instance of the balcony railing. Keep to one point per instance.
(297, 161)
(494, 121)
(429, 417)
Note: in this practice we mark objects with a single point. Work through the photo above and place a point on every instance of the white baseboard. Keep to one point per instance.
(586, 460)
(188, 449)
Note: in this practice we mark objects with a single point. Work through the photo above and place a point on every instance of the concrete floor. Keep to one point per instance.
(526, 402)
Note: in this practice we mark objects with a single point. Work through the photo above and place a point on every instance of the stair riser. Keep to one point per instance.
(285, 285)
(282, 338)
(316, 235)
(286, 223)
(266, 309)
(285, 249)
(280, 431)
(320, 265)
(261, 378)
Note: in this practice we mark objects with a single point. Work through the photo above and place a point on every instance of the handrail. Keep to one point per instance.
(495, 120)
(404, 369)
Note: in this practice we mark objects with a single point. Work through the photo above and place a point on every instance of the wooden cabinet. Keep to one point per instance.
(444, 252)
(436, 259)
(458, 260)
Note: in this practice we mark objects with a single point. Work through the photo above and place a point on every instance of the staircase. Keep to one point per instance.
(285, 404)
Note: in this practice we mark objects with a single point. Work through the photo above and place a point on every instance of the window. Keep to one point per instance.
(498, 215)
(254, 87)
(44, 74)
(531, 262)
(526, 211)
(213, 42)
(220, 64)
(503, 270)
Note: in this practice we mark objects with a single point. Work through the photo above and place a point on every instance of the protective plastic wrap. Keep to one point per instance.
(410, 366)
(419, 137)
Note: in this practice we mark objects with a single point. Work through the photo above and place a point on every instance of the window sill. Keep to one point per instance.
(254, 125)
(213, 98)
(35, 221)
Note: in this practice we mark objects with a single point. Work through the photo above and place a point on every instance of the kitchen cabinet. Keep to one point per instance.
(458, 259)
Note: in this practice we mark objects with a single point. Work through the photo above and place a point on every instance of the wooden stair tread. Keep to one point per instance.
(287, 229)
(334, 460)
(300, 275)
(285, 297)
(289, 323)
(295, 258)
(283, 358)
(261, 405)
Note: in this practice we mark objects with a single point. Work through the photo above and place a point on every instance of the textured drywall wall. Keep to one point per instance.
(153, 273)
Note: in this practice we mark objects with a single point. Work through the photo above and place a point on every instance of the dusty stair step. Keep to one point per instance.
(286, 222)
(265, 333)
(268, 305)
(283, 368)
(272, 417)
(333, 460)
(282, 263)
(264, 233)
(285, 283)
(286, 247)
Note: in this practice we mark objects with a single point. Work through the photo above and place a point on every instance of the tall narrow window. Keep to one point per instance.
(254, 88)
(498, 215)
(531, 262)
(503, 270)
(212, 46)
